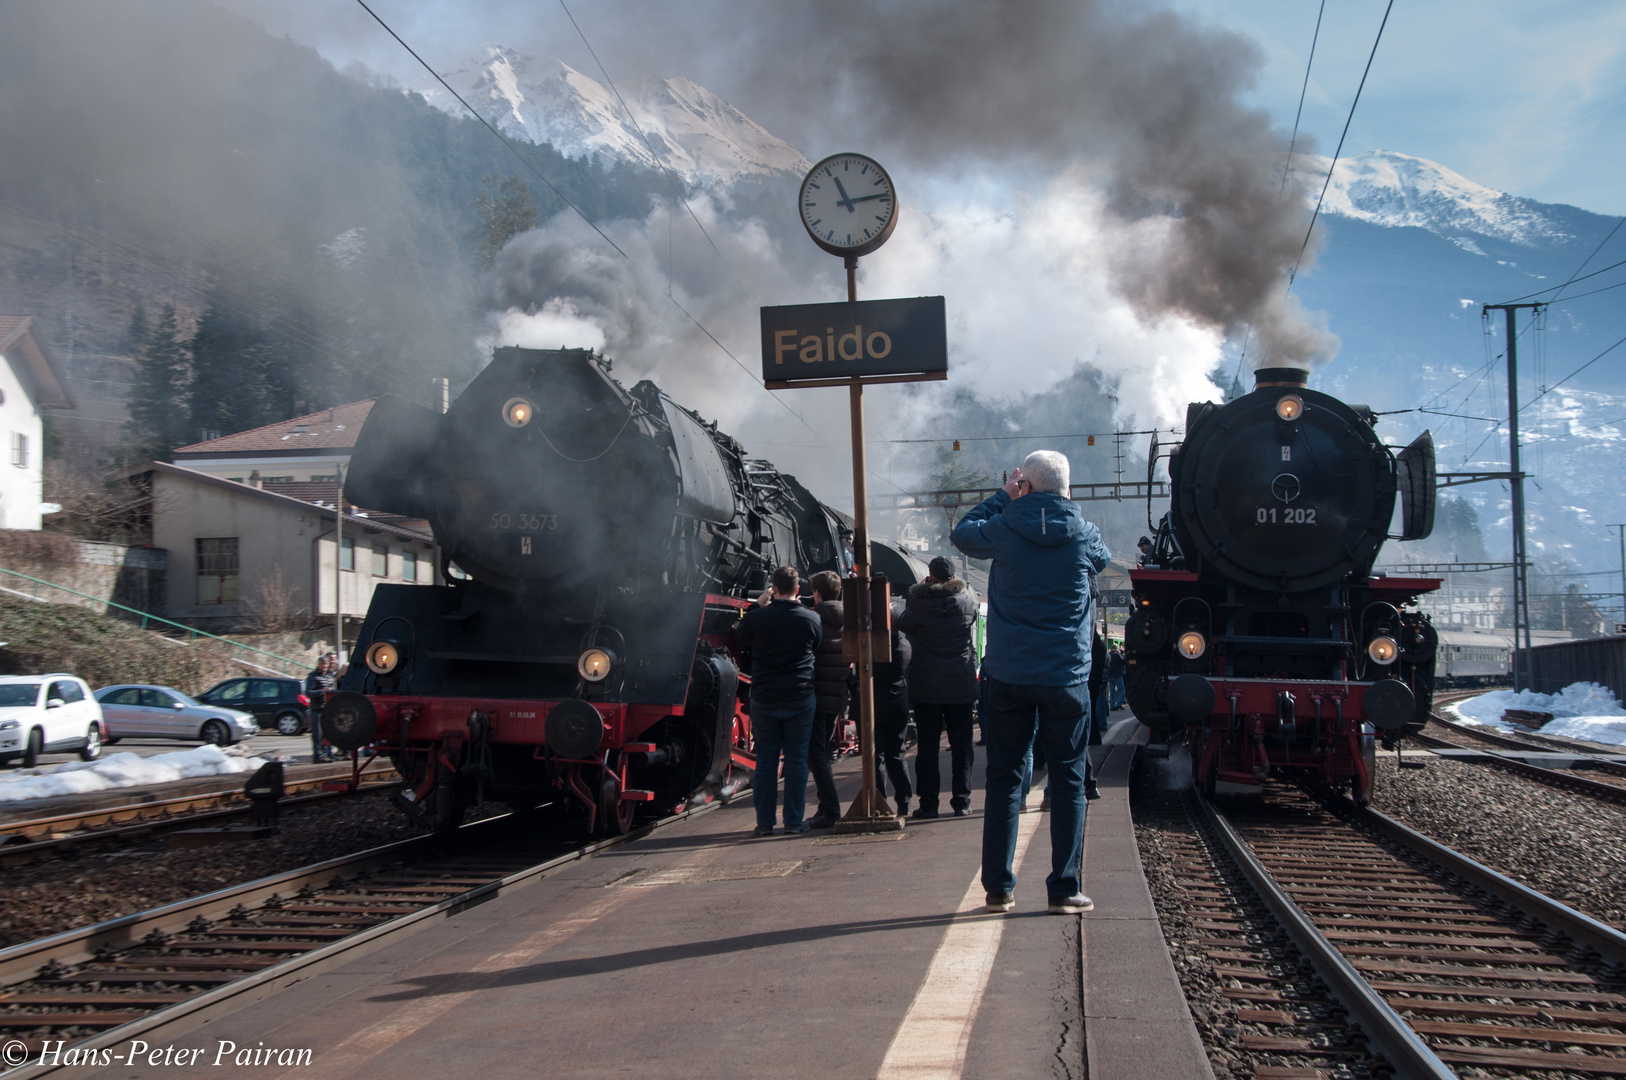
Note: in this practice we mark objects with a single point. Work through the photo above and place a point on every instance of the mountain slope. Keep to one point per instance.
(688, 128)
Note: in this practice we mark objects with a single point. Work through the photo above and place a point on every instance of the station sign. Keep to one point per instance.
(875, 340)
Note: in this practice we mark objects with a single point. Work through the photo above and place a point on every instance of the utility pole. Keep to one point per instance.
(1521, 579)
(1622, 529)
(338, 570)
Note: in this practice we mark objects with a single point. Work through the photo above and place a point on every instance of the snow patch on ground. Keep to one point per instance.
(1580, 711)
(122, 771)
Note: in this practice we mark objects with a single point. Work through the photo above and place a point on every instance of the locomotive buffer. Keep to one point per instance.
(849, 208)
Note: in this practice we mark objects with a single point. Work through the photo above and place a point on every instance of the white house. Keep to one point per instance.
(29, 381)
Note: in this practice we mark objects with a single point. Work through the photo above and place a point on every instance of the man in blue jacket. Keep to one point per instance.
(1037, 665)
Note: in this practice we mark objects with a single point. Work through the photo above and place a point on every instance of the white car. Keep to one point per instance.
(46, 714)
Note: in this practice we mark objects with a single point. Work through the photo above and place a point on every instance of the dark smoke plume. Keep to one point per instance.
(1148, 100)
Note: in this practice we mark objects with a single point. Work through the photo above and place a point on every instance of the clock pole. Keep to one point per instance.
(869, 812)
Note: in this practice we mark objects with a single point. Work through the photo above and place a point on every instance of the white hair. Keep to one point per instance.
(1047, 470)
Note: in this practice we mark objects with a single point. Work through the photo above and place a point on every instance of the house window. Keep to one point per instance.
(217, 570)
(409, 565)
(347, 554)
(19, 449)
(381, 562)
(327, 478)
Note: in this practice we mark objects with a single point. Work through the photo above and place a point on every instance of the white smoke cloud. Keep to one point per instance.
(555, 325)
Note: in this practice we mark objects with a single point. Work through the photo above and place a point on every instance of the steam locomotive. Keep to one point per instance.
(598, 544)
(1258, 629)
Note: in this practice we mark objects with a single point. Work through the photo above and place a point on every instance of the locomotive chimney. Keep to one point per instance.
(1280, 376)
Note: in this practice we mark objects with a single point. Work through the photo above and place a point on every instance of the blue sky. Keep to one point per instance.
(1529, 98)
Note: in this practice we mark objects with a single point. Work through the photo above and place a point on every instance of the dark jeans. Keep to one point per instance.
(1058, 718)
(781, 728)
(931, 722)
(890, 721)
(317, 750)
(818, 763)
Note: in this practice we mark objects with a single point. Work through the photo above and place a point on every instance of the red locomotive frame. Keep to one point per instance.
(1264, 723)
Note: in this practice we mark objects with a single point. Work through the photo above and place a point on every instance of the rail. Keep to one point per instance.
(147, 616)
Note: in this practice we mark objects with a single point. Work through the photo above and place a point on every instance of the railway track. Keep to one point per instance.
(165, 971)
(1443, 962)
(1609, 785)
(25, 840)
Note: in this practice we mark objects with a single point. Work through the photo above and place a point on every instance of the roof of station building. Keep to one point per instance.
(330, 429)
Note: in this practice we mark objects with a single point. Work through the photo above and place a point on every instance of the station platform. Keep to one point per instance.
(699, 951)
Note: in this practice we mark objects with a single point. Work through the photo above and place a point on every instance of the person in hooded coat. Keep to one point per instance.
(891, 689)
(831, 674)
(938, 619)
(1037, 665)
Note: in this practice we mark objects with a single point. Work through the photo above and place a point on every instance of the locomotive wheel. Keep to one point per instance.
(614, 813)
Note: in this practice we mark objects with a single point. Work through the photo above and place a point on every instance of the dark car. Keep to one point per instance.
(275, 703)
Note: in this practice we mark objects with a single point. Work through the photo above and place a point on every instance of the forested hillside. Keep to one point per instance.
(317, 237)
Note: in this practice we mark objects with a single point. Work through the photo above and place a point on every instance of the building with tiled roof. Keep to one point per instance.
(306, 449)
(29, 381)
(237, 550)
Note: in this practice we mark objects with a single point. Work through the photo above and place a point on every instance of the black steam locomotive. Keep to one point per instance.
(1258, 629)
(598, 543)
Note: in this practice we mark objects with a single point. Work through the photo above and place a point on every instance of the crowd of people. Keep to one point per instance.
(1046, 679)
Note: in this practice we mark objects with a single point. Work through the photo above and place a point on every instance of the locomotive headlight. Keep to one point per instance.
(383, 658)
(594, 665)
(517, 412)
(1383, 650)
(1192, 645)
(1290, 407)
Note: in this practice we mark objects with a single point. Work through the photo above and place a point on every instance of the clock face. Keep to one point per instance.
(848, 205)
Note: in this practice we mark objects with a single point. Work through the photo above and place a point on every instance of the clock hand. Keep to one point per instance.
(845, 200)
(866, 198)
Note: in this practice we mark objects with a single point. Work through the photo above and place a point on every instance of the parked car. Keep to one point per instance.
(275, 703)
(47, 714)
(162, 712)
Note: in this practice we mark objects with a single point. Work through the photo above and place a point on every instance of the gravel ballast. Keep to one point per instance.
(1569, 846)
(44, 898)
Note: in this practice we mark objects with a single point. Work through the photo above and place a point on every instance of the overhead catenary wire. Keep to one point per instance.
(1332, 166)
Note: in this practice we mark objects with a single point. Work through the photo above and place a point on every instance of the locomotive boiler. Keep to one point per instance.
(1258, 630)
(597, 543)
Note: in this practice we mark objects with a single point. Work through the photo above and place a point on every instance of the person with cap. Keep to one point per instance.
(1037, 665)
(938, 619)
(318, 685)
(1145, 546)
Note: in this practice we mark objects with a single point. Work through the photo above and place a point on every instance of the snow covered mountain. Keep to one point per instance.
(1397, 190)
(674, 123)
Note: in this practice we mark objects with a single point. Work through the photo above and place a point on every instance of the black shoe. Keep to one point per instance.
(981, 742)
(1044, 804)
(962, 811)
(823, 821)
(1091, 791)
(762, 830)
(924, 814)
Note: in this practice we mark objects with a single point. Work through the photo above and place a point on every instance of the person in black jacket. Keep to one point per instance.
(892, 718)
(938, 619)
(830, 676)
(318, 685)
(783, 636)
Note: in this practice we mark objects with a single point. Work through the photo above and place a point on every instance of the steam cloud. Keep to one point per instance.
(1129, 211)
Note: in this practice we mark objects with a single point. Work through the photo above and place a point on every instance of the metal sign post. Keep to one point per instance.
(848, 207)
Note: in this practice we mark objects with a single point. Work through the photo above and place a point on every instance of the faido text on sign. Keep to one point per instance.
(895, 339)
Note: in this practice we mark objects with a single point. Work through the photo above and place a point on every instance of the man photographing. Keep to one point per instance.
(1037, 665)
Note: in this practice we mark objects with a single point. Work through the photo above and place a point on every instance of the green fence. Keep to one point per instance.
(192, 632)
